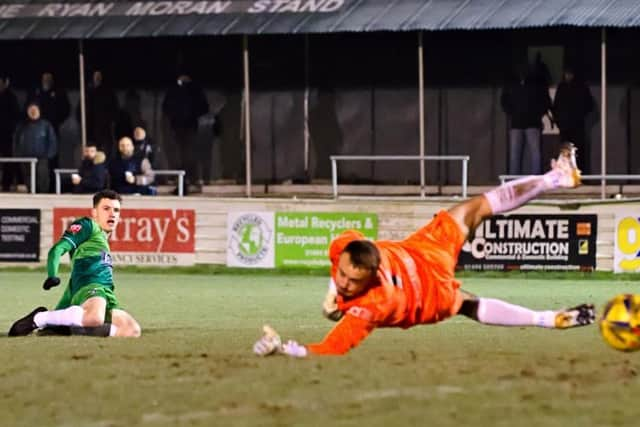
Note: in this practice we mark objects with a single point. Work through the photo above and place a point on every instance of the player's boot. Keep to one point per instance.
(569, 175)
(581, 315)
(26, 325)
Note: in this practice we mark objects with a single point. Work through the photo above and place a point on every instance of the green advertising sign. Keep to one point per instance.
(302, 238)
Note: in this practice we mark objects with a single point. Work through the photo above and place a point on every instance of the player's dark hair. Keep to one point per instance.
(105, 194)
(363, 254)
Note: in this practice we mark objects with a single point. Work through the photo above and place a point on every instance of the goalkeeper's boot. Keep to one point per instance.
(569, 176)
(580, 315)
(26, 325)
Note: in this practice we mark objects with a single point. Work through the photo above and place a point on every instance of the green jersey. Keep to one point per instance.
(88, 248)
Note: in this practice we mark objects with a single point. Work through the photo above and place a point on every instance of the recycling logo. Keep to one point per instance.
(250, 239)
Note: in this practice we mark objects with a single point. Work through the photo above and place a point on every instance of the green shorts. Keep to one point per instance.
(86, 292)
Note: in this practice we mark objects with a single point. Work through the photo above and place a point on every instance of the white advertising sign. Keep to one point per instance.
(626, 258)
(250, 239)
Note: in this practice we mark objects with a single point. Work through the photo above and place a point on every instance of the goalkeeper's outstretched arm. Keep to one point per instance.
(348, 333)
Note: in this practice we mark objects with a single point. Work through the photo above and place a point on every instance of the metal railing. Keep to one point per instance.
(463, 159)
(602, 178)
(166, 172)
(32, 160)
(61, 171)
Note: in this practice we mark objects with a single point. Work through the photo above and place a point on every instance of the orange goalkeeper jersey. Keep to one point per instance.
(415, 284)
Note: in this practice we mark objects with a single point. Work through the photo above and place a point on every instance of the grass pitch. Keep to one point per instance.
(194, 365)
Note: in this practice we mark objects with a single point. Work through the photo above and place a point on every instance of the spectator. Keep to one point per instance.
(102, 109)
(525, 102)
(143, 143)
(37, 138)
(540, 71)
(130, 172)
(183, 104)
(129, 116)
(9, 112)
(92, 173)
(209, 128)
(571, 105)
(55, 108)
(53, 102)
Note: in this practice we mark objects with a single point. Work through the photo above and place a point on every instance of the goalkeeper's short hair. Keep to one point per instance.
(364, 254)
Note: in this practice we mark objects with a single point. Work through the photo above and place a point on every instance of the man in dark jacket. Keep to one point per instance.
(525, 102)
(36, 138)
(9, 112)
(54, 108)
(130, 172)
(143, 144)
(183, 104)
(53, 102)
(92, 173)
(102, 110)
(571, 105)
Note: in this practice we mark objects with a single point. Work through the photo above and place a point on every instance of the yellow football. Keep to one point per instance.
(620, 322)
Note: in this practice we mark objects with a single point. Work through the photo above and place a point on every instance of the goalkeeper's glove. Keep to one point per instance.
(330, 307)
(50, 282)
(270, 343)
(293, 349)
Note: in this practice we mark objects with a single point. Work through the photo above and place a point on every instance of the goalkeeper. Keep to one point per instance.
(88, 305)
(411, 282)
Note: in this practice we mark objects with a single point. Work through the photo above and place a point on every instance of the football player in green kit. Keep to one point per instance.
(88, 305)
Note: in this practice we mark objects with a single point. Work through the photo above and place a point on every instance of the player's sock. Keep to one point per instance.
(496, 312)
(54, 331)
(71, 316)
(516, 193)
(104, 330)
